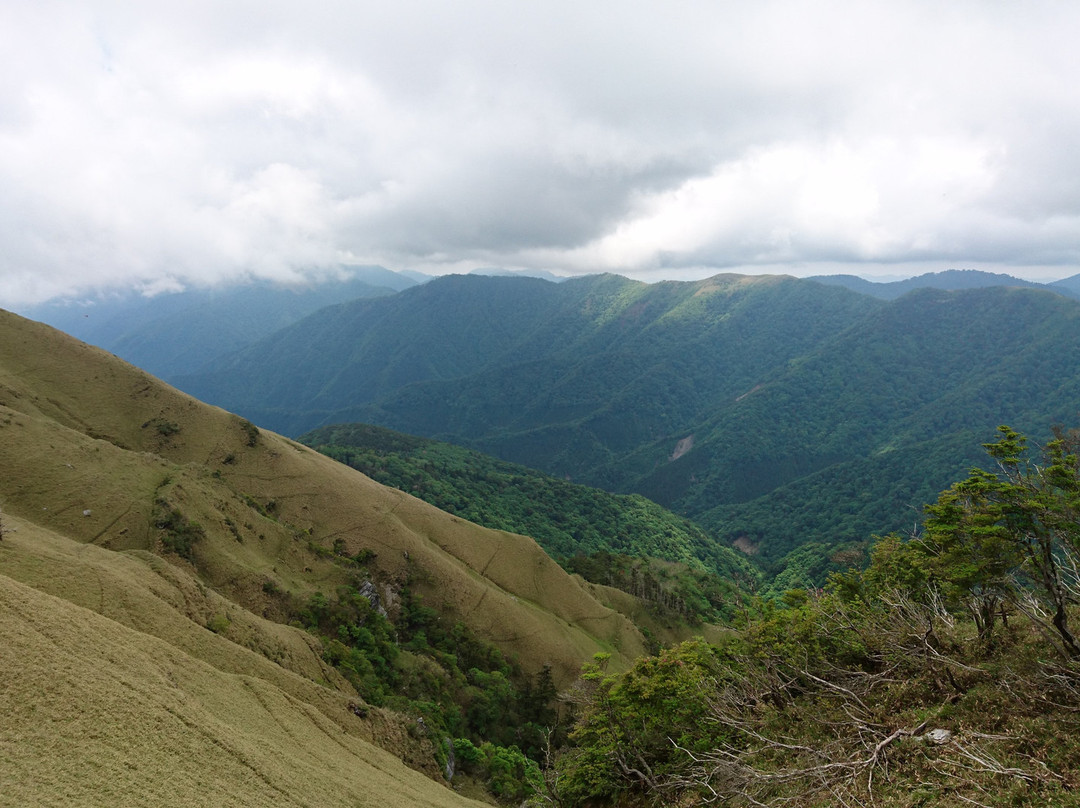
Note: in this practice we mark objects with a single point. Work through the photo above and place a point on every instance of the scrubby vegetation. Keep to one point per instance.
(251, 432)
(941, 668)
(464, 695)
(833, 701)
(177, 533)
(944, 673)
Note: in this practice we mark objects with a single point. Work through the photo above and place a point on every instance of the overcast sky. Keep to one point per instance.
(161, 144)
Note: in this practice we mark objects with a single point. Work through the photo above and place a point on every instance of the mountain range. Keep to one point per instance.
(774, 411)
(200, 610)
(950, 279)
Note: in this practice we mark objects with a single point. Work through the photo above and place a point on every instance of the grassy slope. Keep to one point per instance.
(85, 461)
(87, 439)
(141, 705)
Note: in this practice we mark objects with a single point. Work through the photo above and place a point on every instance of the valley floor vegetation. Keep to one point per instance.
(946, 672)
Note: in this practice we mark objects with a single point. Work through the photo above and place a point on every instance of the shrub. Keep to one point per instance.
(251, 432)
(179, 535)
(507, 772)
(219, 623)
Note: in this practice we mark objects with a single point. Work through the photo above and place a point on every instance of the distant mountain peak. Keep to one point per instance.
(949, 279)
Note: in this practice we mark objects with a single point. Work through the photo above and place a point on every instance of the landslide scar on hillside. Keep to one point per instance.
(682, 447)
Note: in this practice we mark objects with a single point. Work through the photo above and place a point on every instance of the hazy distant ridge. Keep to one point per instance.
(951, 279)
(173, 333)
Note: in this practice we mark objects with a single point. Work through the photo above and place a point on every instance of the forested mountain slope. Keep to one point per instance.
(898, 395)
(612, 539)
(565, 518)
(563, 377)
(154, 545)
(771, 409)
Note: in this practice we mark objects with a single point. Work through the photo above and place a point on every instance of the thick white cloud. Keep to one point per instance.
(871, 200)
(197, 142)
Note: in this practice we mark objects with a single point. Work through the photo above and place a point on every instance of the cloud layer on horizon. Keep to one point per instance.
(194, 143)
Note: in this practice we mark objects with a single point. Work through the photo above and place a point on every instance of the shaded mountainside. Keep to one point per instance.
(566, 377)
(174, 333)
(754, 405)
(889, 395)
(138, 518)
(842, 504)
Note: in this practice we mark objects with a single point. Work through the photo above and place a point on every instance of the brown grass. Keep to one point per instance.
(99, 714)
(111, 688)
(78, 430)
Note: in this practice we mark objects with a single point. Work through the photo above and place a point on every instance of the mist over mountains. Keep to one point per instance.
(171, 333)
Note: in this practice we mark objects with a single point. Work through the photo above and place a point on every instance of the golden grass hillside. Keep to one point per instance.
(91, 446)
(96, 713)
(108, 672)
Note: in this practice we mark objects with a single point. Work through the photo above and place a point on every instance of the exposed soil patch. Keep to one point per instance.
(744, 544)
(753, 389)
(682, 447)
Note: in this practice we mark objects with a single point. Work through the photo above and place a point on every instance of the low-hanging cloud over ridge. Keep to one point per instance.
(187, 143)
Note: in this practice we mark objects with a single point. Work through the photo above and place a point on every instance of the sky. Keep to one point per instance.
(163, 145)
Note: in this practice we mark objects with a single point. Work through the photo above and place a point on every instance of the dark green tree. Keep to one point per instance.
(970, 550)
(1013, 536)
